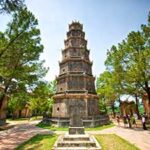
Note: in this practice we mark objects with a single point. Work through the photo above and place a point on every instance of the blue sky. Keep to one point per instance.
(105, 22)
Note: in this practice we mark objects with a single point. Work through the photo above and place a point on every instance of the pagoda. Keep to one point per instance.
(76, 92)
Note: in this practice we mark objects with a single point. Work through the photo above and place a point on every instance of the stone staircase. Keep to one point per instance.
(76, 142)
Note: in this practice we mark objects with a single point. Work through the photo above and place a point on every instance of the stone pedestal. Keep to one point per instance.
(76, 142)
(76, 130)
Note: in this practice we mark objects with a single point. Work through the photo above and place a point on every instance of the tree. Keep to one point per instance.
(129, 62)
(135, 61)
(20, 67)
(116, 63)
(7, 6)
(17, 103)
(106, 89)
(41, 98)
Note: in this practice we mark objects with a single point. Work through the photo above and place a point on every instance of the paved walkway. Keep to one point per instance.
(137, 136)
(11, 138)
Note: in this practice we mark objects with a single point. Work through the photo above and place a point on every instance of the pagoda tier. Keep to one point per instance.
(75, 83)
(75, 67)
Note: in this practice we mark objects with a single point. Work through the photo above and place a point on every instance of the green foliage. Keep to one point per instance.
(20, 49)
(17, 101)
(102, 106)
(141, 109)
(128, 66)
(105, 87)
(8, 6)
(41, 98)
(107, 91)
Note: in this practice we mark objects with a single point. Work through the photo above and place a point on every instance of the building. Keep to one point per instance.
(75, 84)
(128, 108)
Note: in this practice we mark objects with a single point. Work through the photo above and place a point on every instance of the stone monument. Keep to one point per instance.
(76, 98)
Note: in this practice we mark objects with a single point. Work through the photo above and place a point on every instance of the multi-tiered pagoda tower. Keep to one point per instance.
(75, 83)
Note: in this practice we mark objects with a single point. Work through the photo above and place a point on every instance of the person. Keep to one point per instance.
(144, 121)
(129, 121)
(133, 120)
(125, 121)
(118, 120)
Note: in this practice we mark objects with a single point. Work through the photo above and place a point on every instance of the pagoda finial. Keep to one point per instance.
(75, 25)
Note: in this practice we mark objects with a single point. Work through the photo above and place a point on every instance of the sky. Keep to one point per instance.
(105, 23)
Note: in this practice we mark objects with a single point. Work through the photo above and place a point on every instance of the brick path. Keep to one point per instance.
(9, 139)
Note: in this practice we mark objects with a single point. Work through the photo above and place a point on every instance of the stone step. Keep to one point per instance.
(76, 138)
(81, 137)
(76, 148)
(76, 144)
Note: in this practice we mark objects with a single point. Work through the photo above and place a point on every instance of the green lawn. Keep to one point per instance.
(107, 141)
(38, 142)
(114, 142)
(53, 128)
(100, 127)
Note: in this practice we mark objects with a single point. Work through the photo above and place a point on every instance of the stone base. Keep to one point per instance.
(76, 130)
(87, 122)
(76, 142)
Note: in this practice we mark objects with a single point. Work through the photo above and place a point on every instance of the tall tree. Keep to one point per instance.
(130, 64)
(20, 67)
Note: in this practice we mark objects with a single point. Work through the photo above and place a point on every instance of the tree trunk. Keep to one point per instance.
(147, 89)
(3, 105)
(137, 105)
(4, 94)
(119, 100)
(1, 100)
(113, 110)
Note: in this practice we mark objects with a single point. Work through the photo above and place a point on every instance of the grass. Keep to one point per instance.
(53, 128)
(114, 142)
(100, 127)
(107, 141)
(39, 142)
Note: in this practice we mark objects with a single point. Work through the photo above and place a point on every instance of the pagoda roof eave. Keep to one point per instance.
(75, 59)
(75, 96)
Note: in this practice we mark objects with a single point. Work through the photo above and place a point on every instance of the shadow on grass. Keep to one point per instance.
(42, 142)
